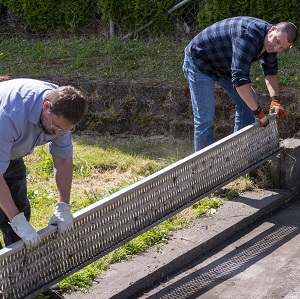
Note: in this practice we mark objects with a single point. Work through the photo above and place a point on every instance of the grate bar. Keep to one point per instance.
(111, 222)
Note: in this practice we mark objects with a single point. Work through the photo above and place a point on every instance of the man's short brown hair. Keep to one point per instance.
(67, 101)
(290, 29)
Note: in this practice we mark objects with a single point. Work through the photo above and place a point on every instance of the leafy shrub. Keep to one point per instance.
(51, 15)
(130, 15)
(272, 11)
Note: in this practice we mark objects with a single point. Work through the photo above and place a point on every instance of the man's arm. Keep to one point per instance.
(246, 93)
(273, 88)
(272, 85)
(63, 171)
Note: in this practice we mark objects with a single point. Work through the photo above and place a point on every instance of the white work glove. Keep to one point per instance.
(62, 217)
(25, 231)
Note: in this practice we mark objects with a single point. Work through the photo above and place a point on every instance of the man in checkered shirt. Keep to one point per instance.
(222, 53)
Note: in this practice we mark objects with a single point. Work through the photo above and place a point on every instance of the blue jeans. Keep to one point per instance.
(202, 92)
(15, 177)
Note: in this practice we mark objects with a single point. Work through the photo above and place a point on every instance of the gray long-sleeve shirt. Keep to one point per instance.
(21, 102)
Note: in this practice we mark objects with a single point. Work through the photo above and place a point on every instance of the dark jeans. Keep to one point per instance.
(15, 177)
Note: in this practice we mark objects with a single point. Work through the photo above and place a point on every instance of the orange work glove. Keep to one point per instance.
(276, 107)
(260, 115)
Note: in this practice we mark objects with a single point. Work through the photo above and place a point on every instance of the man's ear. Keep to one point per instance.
(272, 29)
(46, 105)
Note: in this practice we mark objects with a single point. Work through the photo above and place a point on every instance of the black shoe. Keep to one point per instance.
(54, 293)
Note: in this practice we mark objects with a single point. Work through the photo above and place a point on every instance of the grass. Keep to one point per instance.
(104, 165)
(107, 164)
(79, 57)
(157, 58)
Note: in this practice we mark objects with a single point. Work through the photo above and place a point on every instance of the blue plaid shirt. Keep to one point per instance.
(228, 47)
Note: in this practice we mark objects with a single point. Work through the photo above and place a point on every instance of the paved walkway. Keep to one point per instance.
(214, 273)
(261, 263)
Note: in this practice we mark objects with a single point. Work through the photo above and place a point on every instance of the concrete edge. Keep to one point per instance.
(129, 279)
(232, 218)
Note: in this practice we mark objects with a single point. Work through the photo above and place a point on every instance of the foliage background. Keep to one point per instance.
(269, 10)
(67, 16)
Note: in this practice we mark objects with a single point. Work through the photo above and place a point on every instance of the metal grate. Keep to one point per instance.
(115, 220)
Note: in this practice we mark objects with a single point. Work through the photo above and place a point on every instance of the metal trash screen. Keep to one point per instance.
(115, 220)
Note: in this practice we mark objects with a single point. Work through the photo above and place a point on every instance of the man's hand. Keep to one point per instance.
(260, 115)
(62, 217)
(276, 107)
(25, 231)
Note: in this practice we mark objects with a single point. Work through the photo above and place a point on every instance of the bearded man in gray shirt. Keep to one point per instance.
(33, 113)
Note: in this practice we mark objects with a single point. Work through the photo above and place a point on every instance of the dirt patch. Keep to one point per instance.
(159, 108)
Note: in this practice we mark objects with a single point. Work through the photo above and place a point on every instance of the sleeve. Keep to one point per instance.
(62, 146)
(7, 138)
(244, 49)
(269, 64)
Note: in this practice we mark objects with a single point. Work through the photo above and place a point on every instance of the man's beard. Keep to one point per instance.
(46, 131)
